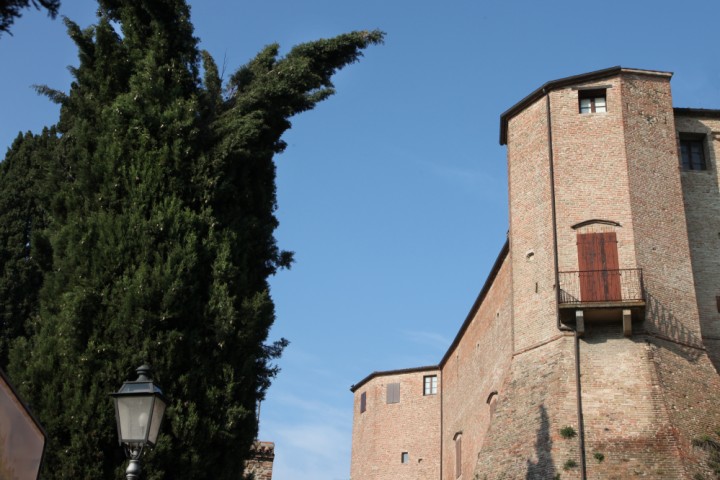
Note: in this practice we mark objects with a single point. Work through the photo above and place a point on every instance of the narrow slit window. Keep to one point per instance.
(363, 402)
(405, 457)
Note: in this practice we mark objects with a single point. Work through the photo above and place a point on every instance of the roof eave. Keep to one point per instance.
(386, 373)
(697, 112)
(564, 82)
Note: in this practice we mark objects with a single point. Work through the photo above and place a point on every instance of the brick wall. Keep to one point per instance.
(702, 210)
(661, 238)
(642, 396)
(531, 246)
(384, 431)
(690, 388)
(474, 369)
(260, 465)
(625, 414)
(591, 180)
(536, 401)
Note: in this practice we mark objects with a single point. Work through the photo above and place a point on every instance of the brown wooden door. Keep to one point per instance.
(599, 267)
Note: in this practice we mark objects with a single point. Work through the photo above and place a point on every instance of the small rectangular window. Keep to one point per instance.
(404, 457)
(393, 393)
(430, 385)
(592, 101)
(363, 402)
(692, 152)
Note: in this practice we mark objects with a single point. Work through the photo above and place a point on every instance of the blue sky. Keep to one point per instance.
(392, 193)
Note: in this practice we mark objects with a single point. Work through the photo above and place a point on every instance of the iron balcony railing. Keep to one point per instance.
(601, 286)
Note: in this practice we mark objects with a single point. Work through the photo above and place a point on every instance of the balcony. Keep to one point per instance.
(602, 289)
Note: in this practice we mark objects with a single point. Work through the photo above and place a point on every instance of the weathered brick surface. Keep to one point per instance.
(661, 238)
(476, 368)
(591, 178)
(384, 431)
(260, 465)
(690, 388)
(702, 209)
(624, 409)
(537, 400)
(533, 278)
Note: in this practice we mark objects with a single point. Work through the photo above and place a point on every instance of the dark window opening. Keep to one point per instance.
(405, 457)
(692, 153)
(363, 402)
(592, 101)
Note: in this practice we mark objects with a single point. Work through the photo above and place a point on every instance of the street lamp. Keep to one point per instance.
(139, 409)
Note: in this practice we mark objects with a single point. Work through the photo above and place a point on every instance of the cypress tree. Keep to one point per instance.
(24, 195)
(160, 239)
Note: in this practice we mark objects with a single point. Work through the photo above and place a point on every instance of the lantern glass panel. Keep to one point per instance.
(158, 412)
(134, 414)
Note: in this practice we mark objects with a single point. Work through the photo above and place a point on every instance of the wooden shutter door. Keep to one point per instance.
(599, 267)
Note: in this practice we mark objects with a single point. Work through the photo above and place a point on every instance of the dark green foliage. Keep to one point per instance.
(160, 227)
(570, 463)
(10, 9)
(24, 194)
(712, 447)
(568, 432)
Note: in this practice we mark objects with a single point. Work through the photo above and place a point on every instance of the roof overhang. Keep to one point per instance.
(696, 112)
(567, 82)
(385, 373)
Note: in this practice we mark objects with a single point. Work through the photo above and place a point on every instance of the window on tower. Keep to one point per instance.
(592, 101)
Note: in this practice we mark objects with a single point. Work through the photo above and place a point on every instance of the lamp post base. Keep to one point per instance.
(133, 470)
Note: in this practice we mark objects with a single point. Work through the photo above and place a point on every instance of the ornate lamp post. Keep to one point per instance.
(139, 410)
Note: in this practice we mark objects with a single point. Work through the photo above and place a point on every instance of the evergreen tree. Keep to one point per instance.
(10, 9)
(24, 195)
(161, 239)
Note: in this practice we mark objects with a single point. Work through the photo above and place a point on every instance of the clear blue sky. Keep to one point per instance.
(393, 193)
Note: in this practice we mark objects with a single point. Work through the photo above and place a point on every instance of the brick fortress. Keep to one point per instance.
(592, 349)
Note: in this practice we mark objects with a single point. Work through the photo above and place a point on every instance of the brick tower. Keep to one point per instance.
(588, 353)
